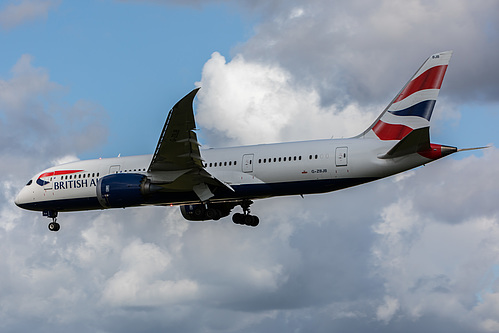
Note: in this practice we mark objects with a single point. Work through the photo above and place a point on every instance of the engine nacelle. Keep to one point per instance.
(193, 212)
(122, 190)
(202, 212)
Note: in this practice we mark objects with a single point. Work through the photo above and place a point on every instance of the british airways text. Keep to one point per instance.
(77, 183)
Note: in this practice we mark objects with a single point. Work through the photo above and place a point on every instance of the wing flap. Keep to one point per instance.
(202, 191)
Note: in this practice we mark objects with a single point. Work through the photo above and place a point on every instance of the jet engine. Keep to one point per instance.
(122, 190)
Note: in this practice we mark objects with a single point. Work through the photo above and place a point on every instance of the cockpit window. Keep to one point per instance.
(29, 183)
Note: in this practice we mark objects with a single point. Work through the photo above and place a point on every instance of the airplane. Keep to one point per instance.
(208, 183)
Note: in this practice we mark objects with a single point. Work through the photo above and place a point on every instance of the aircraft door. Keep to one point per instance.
(114, 169)
(248, 163)
(341, 156)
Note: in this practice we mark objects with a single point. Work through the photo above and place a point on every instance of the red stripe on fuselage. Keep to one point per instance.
(430, 79)
(386, 131)
(57, 173)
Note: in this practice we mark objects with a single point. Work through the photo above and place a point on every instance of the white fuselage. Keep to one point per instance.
(253, 172)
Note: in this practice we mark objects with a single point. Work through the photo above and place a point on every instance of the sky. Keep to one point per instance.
(413, 252)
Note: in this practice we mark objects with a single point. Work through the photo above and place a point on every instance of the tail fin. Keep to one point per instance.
(411, 109)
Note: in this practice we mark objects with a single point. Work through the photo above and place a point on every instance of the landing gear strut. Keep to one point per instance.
(53, 226)
(246, 218)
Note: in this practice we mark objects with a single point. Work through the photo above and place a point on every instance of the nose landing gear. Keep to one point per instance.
(53, 226)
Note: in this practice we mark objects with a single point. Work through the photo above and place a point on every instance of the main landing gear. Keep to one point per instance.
(246, 218)
(53, 226)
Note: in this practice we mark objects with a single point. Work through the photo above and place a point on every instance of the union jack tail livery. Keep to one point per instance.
(407, 118)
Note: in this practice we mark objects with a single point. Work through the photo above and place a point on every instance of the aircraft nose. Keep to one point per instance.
(22, 198)
(18, 200)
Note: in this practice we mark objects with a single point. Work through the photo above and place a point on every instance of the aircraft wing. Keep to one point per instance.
(177, 163)
(178, 146)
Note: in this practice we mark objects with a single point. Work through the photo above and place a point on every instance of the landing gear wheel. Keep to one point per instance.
(52, 214)
(237, 218)
(54, 226)
(254, 221)
(249, 220)
(246, 218)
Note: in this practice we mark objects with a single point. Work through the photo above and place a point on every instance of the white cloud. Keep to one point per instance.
(468, 184)
(19, 12)
(17, 93)
(487, 312)
(357, 50)
(34, 120)
(236, 97)
(433, 268)
(386, 311)
(140, 281)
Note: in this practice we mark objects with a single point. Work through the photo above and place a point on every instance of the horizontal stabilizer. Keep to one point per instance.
(416, 141)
